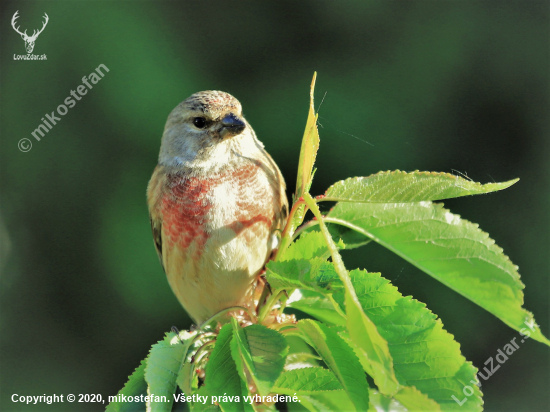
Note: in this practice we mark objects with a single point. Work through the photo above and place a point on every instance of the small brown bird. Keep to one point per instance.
(216, 201)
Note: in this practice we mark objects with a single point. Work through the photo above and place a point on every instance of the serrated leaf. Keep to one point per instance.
(452, 250)
(263, 351)
(306, 381)
(366, 286)
(135, 386)
(221, 372)
(164, 363)
(340, 358)
(398, 186)
(424, 354)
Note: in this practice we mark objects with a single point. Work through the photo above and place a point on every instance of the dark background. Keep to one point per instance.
(453, 86)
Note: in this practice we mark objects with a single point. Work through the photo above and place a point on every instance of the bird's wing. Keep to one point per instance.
(154, 196)
(156, 226)
(279, 182)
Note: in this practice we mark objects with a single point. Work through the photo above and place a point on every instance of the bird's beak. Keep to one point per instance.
(231, 126)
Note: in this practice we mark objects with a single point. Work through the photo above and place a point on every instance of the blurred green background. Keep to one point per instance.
(454, 86)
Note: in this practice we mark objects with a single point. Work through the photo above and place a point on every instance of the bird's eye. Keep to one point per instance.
(199, 122)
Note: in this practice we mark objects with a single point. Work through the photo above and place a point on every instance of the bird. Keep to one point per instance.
(217, 204)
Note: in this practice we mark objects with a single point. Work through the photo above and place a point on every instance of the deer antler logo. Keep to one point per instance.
(29, 40)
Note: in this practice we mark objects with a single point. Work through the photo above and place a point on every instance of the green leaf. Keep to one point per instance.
(424, 354)
(398, 186)
(381, 370)
(163, 366)
(263, 351)
(308, 153)
(436, 366)
(377, 296)
(310, 145)
(306, 381)
(452, 250)
(221, 372)
(136, 386)
(341, 360)
(316, 305)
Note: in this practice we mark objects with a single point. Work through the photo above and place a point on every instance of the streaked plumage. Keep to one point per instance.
(215, 200)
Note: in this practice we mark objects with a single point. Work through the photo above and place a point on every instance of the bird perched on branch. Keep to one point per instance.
(216, 202)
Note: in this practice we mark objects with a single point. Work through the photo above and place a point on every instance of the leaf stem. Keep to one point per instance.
(284, 299)
(266, 309)
(200, 350)
(286, 237)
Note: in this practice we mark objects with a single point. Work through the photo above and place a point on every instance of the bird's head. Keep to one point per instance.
(205, 127)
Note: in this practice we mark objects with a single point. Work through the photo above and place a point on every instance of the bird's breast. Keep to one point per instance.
(198, 210)
(216, 231)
